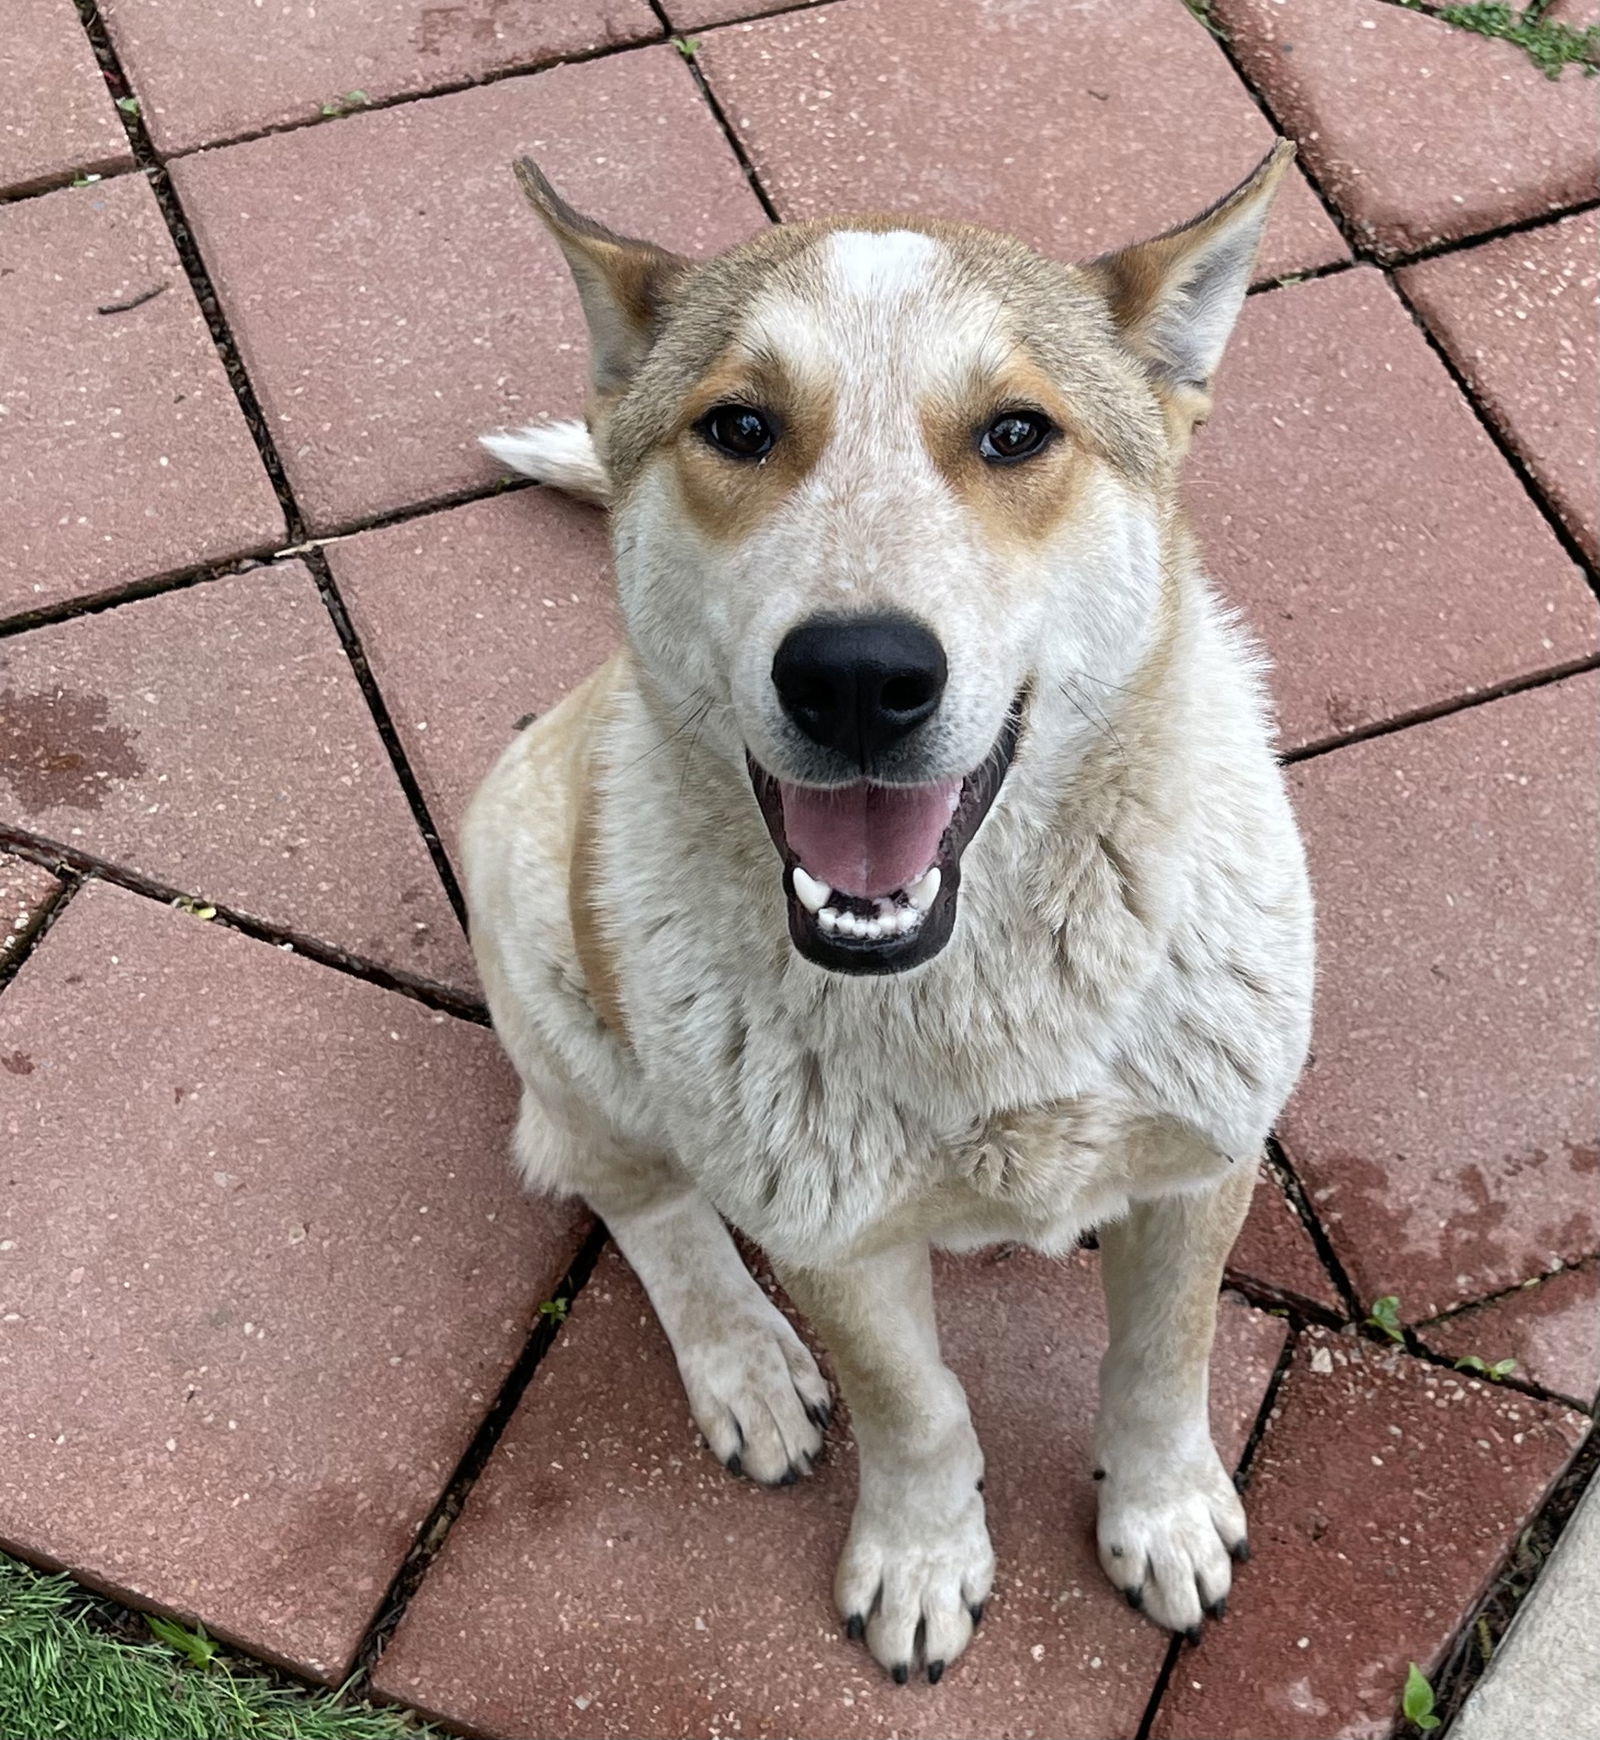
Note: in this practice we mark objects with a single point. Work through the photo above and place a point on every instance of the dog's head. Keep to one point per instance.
(879, 485)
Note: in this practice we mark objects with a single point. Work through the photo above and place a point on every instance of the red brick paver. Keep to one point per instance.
(1381, 1502)
(1345, 495)
(1519, 318)
(123, 451)
(471, 620)
(1077, 130)
(262, 1270)
(391, 293)
(215, 740)
(205, 73)
(1445, 1125)
(25, 891)
(56, 115)
(1551, 1328)
(1417, 130)
(691, 1603)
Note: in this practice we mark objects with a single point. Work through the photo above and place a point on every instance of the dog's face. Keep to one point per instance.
(879, 488)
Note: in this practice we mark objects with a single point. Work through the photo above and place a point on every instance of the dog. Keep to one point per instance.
(920, 872)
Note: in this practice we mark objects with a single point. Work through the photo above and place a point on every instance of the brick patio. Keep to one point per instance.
(270, 1337)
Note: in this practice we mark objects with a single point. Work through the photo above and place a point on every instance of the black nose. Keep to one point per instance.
(859, 684)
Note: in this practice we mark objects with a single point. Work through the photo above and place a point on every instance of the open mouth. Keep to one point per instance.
(871, 872)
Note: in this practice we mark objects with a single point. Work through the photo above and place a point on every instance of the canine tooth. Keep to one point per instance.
(812, 894)
(828, 919)
(925, 890)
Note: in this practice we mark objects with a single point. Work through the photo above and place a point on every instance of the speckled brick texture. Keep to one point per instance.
(1275, 1253)
(26, 890)
(1445, 1125)
(205, 73)
(1550, 1327)
(1077, 131)
(1389, 106)
(215, 741)
(1381, 1500)
(391, 293)
(473, 619)
(1347, 499)
(693, 1603)
(133, 398)
(262, 1271)
(56, 115)
(1519, 318)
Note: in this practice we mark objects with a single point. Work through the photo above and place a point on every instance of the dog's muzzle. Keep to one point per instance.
(872, 872)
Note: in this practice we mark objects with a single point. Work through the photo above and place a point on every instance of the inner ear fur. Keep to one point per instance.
(1175, 298)
(622, 282)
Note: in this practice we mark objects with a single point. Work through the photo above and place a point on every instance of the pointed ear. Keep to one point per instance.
(621, 282)
(1177, 296)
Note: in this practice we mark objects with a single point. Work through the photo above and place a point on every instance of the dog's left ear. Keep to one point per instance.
(1177, 296)
(622, 282)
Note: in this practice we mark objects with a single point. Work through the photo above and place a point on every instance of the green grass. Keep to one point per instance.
(63, 1674)
(1549, 44)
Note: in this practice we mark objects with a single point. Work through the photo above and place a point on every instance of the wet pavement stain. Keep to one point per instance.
(58, 750)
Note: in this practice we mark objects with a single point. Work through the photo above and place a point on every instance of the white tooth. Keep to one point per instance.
(925, 890)
(828, 919)
(874, 929)
(812, 894)
(908, 920)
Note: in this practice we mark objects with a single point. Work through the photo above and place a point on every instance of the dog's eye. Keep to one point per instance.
(738, 431)
(1015, 435)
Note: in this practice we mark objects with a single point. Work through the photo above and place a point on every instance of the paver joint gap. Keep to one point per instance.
(436, 1527)
(1443, 709)
(1503, 446)
(1300, 1201)
(54, 854)
(54, 905)
(1464, 1663)
(719, 114)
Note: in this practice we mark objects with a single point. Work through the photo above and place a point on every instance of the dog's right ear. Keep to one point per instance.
(621, 282)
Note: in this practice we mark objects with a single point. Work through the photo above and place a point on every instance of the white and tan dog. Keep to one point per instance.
(921, 872)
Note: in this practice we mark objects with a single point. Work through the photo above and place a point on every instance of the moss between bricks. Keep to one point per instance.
(65, 1671)
(1549, 44)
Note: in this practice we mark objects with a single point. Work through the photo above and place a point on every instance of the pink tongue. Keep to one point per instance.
(867, 839)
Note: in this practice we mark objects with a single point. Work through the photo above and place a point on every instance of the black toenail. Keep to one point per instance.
(1241, 1552)
(1116, 1552)
(1099, 1474)
(735, 1463)
(1135, 1598)
(819, 1414)
(975, 1608)
(980, 1485)
(901, 1674)
(1193, 1635)
(935, 1672)
(1238, 1483)
(790, 1475)
(855, 1628)
(1218, 1608)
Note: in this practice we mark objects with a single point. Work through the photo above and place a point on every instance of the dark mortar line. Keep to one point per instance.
(1241, 1481)
(1291, 1308)
(430, 1538)
(53, 855)
(1531, 1284)
(1531, 486)
(1444, 709)
(1305, 1212)
(13, 961)
(399, 516)
(316, 560)
(151, 586)
(1537, 1392)
(1288, 280)
(1543, 220)
(227, 349)
(1461, 1668)
(84, 175)
(720, 116)
(399, 99)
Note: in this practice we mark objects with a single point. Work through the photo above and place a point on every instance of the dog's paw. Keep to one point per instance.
(756, 1394)
(917, 1567)
(1169, 1530)
(561, 455)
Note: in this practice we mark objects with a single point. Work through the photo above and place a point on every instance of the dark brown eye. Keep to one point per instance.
(738, 431)
(1015, 435)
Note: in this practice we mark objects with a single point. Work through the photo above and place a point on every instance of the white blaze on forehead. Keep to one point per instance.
(879, 264)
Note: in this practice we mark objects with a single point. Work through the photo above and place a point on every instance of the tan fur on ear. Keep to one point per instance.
(622, 282)
(1177, 296)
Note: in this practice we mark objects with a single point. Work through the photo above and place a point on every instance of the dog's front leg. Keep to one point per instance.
(1170, 1520)
(917, 1565)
